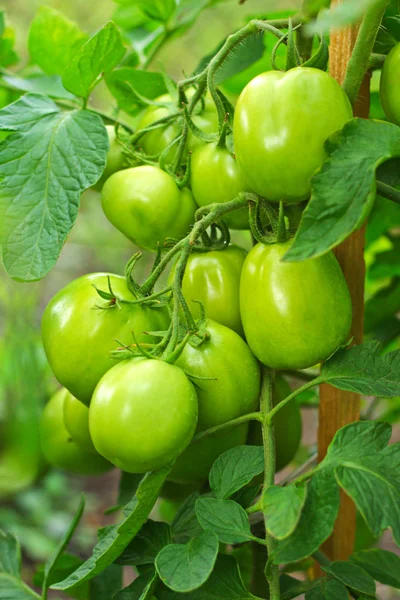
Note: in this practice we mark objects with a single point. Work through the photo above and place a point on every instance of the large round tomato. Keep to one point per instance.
(294, 314)
(389, 86)
(230, 388)
(216, 177)
(281, 123)
(58, 447)
(79, 332)
(147, 206)
(143, 414)
(76, 420)
(213, 278)
(115, 157)
(154, 142)
(287, 423)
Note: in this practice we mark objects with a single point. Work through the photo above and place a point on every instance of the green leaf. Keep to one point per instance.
(343, 191)
(51, 564)
(387, 263)
(226, 518)
(352, 576)
(65, 565)
(11, 585)
(282, 507)
(291, 587)
(159, 10)
(382, 565)
(125, 83)
(53, 40)
(52, 157)
(144, 548)
(98, 56)
(363, 370)
(117, 539)
(316, 521)
(8, 56)
(340, 15)
(385, 215)
(185, 524)
(224, 583)
(184, 568)
(383, 306)
(140, 589)
(107, 583)
(327, 589)
(235, 468)
(47, 85)
(128, 484)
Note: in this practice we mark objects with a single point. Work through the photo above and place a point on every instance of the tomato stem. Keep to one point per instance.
(293, 395)
(387, 191)
(255, 416)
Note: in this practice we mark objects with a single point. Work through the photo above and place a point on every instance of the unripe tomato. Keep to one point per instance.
(213, 278)
(294, 314)
(389, 86)
(147, 206)
(287, 423)
(115, 157)
(143, 414)
(58, 447)
(76, 420)
(78, 337)
(216, 177)
(281, 123)
(230, 389)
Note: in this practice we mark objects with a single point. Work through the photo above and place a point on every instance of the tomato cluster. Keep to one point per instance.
(143, 412)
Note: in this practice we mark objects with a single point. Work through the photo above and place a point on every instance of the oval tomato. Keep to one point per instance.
(216, 177)
(389, 85)
(230, 389)
(281, 123)
(78, 337)
(288, 426)
(143, 414)
(146, 205)
(213, 278)
(115, 157)
(58, 447)
(294, 315)
(76, 420)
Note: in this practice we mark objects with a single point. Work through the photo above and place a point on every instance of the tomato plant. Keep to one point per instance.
(389, 85)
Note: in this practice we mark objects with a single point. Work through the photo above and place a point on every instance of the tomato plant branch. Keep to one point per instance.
(255, 416)
(321, 558)
(387, 191)
(293, 395)
(359, 60)
(376, 61)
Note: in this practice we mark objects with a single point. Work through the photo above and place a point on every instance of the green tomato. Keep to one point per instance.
(143, 414)
(216, 177)
(389, 86)
(78, 336)
(229, 388)
(146, 205)
(281, 123)
(58, 447)
(294, 314)
(115, 157)
(213, 278)
(288, 426)
(76, 420)
(177, 492)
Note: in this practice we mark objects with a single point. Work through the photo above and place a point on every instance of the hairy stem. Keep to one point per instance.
(293, 395)
(256, 416)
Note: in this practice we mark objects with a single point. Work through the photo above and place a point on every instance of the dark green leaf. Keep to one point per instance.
(124, 82)
(291, 587)
(44, 168)
(98, 56)
(282, 507)
(327, 589)
(363, 370)
(343, 191)
(383, 306)
(144, 548)
(11, 585)
(185, 524)
(114, 543)
(107, 583)
(225, 518)
(389, 32)
(352, 576)
(48, 85)
(184, 568)
(316, 521)
(160, 10)
(384, 216)
(128, 484)
(235, 468)
(387, 264)
(382, 565)
(140, 589)
(65, 565)
(53, 40)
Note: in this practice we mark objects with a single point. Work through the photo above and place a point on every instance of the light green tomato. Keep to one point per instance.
(58, 447)
(76, 419)
(390, 85)
(143, 414)
(282, 120)
(216, 177)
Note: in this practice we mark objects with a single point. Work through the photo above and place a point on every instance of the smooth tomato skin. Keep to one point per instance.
(58, 447)
(143, 414)
(78, 337)
(213, 278)
(146, 205)
(76, 420)
(216, 177)
(294, 314)
(389, 85)
(288, 426)
(115, 158)
(281, 123)
(232, 391)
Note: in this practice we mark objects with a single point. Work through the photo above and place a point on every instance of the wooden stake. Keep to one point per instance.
(337, 408)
